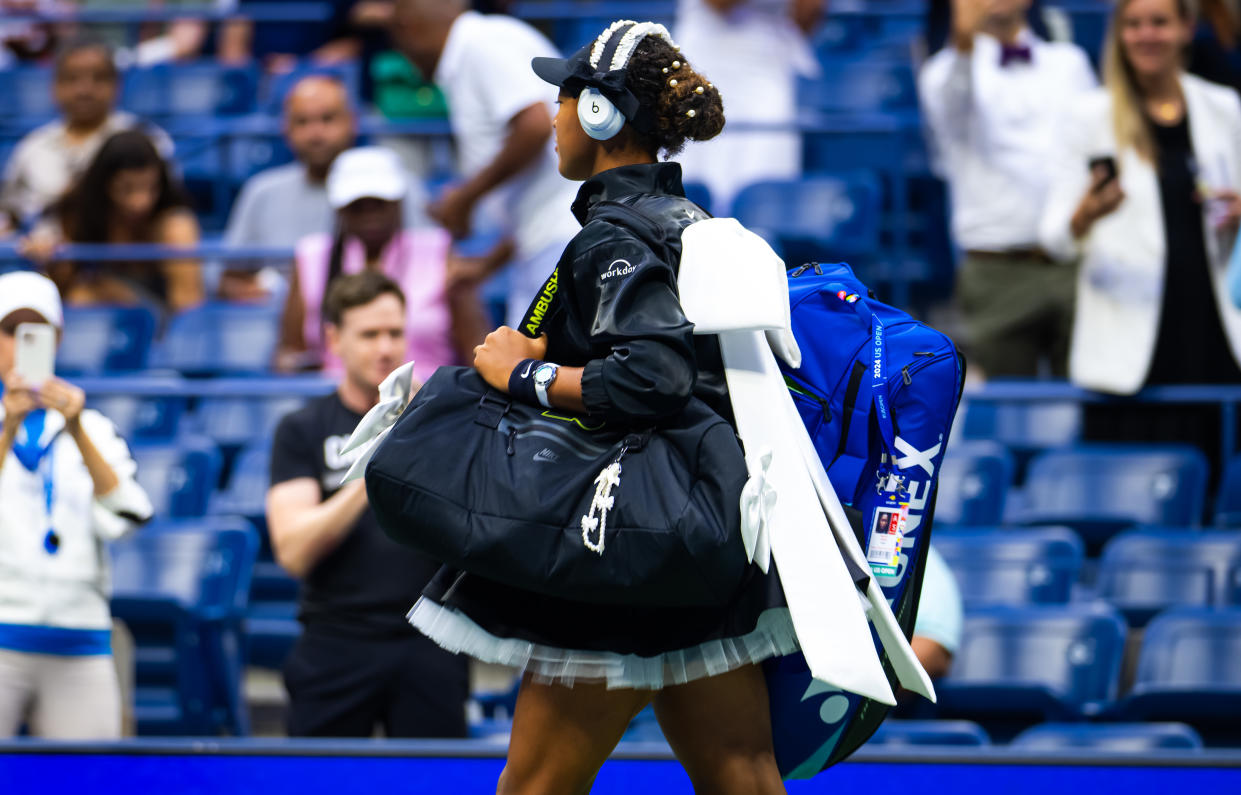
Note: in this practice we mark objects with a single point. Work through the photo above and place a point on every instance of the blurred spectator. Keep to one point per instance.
(67, 486)
(1152, 302)
(284, 204)
(25, 40)
(358, 662)
(1215, 53)
(48, 159)
(501, 118)
(939, 23)
(993, 101)
(126, 195)
(754, 50)
(180, 39)
(937, 630)
(366, 187)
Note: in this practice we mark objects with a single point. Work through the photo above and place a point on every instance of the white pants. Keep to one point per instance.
(64, 698)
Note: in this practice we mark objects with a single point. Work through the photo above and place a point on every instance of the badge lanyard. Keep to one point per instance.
(42, 460)
(886, 505)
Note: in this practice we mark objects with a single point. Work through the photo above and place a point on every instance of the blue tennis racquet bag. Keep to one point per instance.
(877, 391)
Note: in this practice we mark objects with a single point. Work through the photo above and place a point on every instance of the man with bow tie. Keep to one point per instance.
(992, 99)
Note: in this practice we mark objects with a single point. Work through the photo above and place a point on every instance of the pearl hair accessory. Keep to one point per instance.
(691, 113)
(673, 82)
(698, 90)
(665, 70)
(676, 64)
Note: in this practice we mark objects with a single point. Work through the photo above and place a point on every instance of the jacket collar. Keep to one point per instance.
(616, 183)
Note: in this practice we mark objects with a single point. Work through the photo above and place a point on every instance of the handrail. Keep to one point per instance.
(257, 12)
(1228, 396)
(1023, 391)
(151, 252)
(174, 386)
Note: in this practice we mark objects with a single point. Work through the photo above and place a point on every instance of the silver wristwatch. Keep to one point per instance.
(544, 375)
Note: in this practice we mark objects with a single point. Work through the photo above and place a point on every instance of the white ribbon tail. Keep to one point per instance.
(823, 600)
(909, 672)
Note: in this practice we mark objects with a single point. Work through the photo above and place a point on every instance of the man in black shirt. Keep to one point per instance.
(358, 662)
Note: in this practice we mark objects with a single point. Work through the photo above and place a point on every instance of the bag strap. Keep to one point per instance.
(878, 366)
(492, 407)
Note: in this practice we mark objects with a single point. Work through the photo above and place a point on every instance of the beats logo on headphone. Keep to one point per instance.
(599, 117)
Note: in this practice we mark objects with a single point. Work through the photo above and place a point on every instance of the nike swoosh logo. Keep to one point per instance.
(527, 373)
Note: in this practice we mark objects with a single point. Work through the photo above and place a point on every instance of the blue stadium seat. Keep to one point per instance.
(142, 419)
(1128, 738)
(863, 83)
(105, 339)
(825, 217)
(181, 588)
(929, 732)
(1024, 427)
(1022, 665)
(246, 491)
(1148, 570)
(973, 484)
(179, 476)
(271, 625)
(1188, 670)
(26, 95)
(995, 566)
(239, 421)
(1101, 489)
(183, 90)
(220, 338)
(1228, 505)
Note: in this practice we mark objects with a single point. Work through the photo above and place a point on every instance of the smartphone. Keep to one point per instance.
(1106, 166)
(35, 356)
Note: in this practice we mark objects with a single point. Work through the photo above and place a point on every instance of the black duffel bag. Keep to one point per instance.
(530, 497)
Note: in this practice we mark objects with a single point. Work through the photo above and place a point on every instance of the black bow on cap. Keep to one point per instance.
(611, 85)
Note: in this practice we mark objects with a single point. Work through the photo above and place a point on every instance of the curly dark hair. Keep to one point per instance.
(687, 106)
(85, 211)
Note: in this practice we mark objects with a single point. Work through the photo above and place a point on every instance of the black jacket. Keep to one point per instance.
(612, 306)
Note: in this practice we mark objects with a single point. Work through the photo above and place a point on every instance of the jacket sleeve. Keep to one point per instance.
(1069, 179)
(628, 296)
(126, 506)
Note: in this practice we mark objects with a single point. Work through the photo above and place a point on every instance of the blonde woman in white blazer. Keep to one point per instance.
(1152, 303)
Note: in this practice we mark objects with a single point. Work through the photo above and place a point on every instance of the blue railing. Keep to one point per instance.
(1016, 391)
(258, 12)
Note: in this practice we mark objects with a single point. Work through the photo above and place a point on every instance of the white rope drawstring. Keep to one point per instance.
(607, 480)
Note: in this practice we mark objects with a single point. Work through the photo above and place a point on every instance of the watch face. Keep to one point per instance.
(544, 374)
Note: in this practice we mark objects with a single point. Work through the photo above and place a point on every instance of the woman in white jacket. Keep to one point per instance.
(1153, 228)
(66, 487)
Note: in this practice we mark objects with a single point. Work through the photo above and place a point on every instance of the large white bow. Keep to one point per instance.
(732, 284)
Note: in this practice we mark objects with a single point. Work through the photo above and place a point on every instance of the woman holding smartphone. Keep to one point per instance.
(67, 487)
(1145, 193)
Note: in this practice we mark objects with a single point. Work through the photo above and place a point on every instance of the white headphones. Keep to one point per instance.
(599, 117)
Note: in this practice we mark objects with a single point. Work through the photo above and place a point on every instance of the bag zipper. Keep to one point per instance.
(800, 388)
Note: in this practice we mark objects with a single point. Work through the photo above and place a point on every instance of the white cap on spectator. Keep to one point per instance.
(368, 172)
(29, 290)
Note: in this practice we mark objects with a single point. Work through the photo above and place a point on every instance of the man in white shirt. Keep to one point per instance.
(47, 160)
(501, 117)
(992, 100)
(753, 51)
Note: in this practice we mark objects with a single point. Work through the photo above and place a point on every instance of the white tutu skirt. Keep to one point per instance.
(622, 647)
